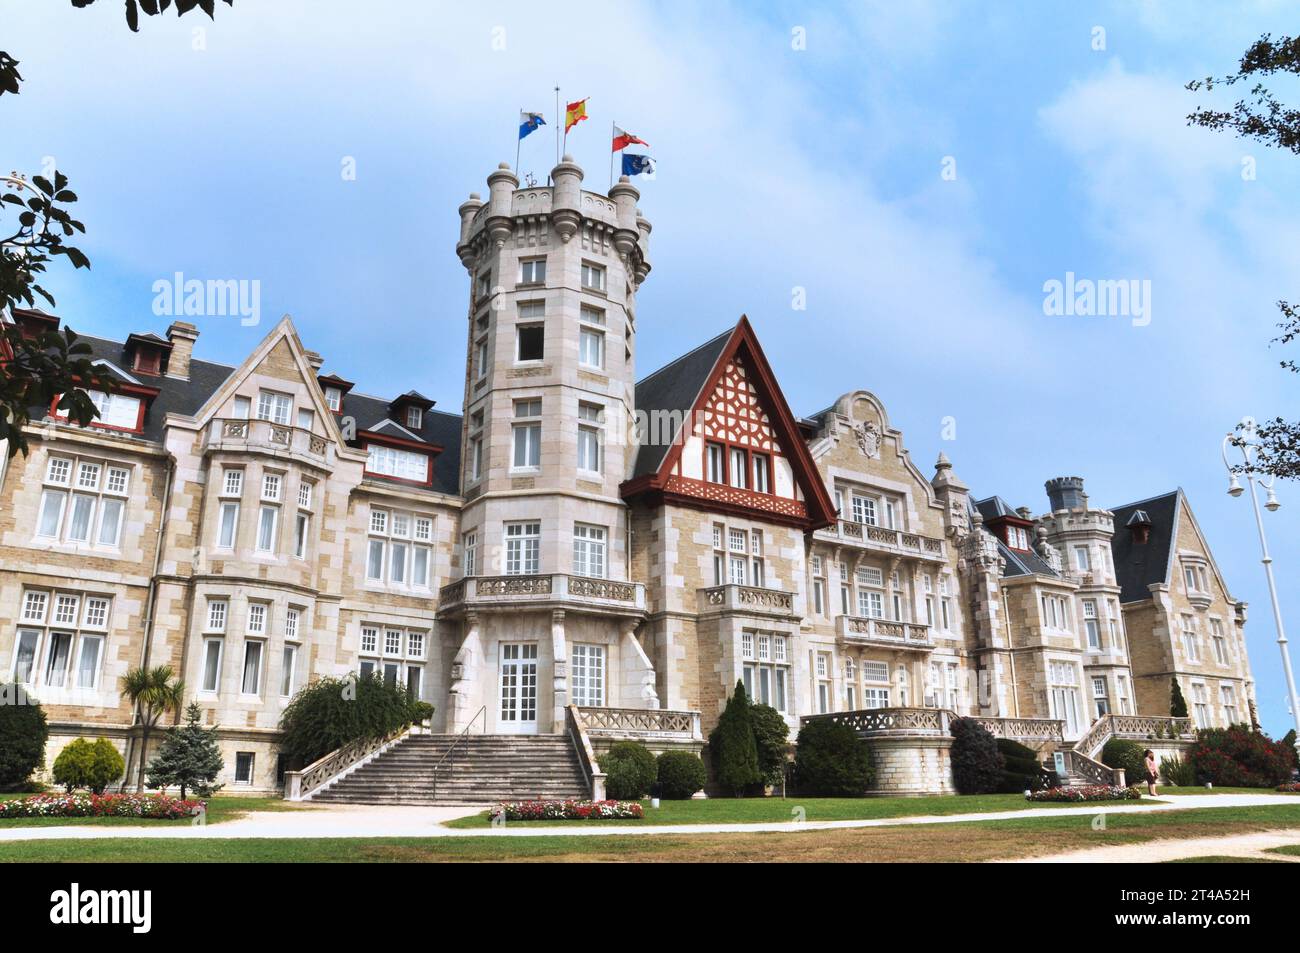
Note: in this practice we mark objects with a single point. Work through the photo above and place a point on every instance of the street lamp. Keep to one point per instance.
(1248, 445)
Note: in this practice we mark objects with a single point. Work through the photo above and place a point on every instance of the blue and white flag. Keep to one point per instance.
(634, 164)
(529, 122)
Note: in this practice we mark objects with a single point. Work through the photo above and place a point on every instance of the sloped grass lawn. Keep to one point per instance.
(220, 808)
(966, 841)
(1225, 860)
(767, 810)
(1169, 790)
(1291, 851)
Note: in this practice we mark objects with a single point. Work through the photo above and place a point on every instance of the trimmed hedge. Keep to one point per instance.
(1021, 770)
(93, 765)
(977, 764)
(681, 774)
(831, 760)
(23, 733)
(630, 770)
(1122, 753)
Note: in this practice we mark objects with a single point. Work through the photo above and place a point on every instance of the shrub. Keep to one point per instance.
(421, 712)
(1288, 739)
(831, 760)
(567, 810)
(732, 746)
(86, 764)
(630, 770)
(147, 806)
(1179, 773)
(976, 762)
(23, 733)
(1022, 770)
(1121, 753)
(1177, 703)
(1291, 787)
(189, 757)
(1239, 757)
(331, 712)
(681, 774)
(1094, 792)
(771, 741)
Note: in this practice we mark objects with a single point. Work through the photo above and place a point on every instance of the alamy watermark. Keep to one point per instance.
(179, 296)
(1105, 297)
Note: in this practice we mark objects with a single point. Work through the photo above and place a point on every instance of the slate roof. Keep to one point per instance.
(1021, 563)
(1138, 566)
(994, 507)
(674, 387)
(176, 396)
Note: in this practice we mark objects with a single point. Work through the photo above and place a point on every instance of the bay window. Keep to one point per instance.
(523, 548)
(588, 550)
(587, 679)
(765, 668)
(398, 548)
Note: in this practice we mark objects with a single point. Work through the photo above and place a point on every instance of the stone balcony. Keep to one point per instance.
(546, 590)
(885, 634)
(263, 436)
(888, 542)
(749, 600)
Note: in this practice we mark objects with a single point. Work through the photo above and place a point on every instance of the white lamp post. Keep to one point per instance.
(1248, 447)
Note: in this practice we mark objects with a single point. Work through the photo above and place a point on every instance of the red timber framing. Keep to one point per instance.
(751, 421)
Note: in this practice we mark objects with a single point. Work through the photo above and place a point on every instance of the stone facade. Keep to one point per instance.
(546, 548)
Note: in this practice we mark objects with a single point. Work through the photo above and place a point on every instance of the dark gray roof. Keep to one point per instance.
(673, 387)
(993, 507)
(1137, 566)
(1022, 563)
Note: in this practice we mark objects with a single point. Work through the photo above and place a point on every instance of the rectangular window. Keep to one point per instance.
(287, 666)
(305, 418)
(304, 495)
(530, 342)
(274, 407)
(864, 510)
(589, 421)
(251, 683)
(369, 640)
(481, 358)
(83, 514)
(375, 560)
(762, 473)
(396, 463)
(523, 545)
(532, 271)
(717, 465)
(1081, 561)
(267, 522)
(243, 767)
(593, 277)
(1201, 706)
(96, 613)
(1091, 624)
(232, 483)
(469, 547)
(588, 550)
(1101, 701)
(415, 644)
(34, 605)
(57, 657)
(88, 661)
(271, 483)
(301, 531)
(739, 467)
(257, 618)
(211, 664)
(25, 655)
(1191, 645)
(228, 525)
(52, 503)
(475, 458)
(1228, 696)
(292, 618)
(414, 680)
(334, 399)
(591, 348)
(218, 610)
(588, 679)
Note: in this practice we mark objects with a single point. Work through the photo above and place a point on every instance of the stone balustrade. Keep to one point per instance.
(1024, 729)
(893, 542)
(1133, 728)
(891, 721)
(558, 589)
(301, 785)
(747, 599)
(641, 723)
(266, 437)
(885, 633)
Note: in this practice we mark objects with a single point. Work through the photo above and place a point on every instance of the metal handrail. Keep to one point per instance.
(459, 738)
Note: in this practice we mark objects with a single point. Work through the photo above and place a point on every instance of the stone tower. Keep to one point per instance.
(553, 275)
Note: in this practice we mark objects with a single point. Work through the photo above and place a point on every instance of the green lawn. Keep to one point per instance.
(1225, 860)
(220, 808)
(776, 810)
(1293, 851)
(1170, 790)
(966, 841)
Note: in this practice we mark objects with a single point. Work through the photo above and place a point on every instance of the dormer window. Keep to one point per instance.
(148, 361)
(334, 399)
(414, 418)
(1017, 538)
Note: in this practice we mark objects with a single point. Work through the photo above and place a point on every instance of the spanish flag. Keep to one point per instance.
(574, 113)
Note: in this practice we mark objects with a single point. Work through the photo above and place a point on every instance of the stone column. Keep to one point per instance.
(467, 672)
(560, 670)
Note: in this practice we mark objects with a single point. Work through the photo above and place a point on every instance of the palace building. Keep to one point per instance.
(577, 554)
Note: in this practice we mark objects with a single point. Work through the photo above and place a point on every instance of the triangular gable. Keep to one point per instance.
(740, 402)
(1185, 508)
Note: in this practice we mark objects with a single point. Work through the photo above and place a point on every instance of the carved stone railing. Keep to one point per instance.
(557, 588)
(1024, 729)
(301, 785)
(264, 435)
(642, 723)
(748, 599)
(577, 732)
(1134, 728)
(891, 721)
(857, 630)
(893, 541)
(1079, 765)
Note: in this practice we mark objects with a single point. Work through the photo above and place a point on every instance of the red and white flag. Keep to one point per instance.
(623, 139)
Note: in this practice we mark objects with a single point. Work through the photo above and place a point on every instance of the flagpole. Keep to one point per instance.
(559, 122)
(519, 141)
(612, 127)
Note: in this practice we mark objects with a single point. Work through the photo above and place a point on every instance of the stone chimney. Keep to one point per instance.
(182, 335)
(315, 361)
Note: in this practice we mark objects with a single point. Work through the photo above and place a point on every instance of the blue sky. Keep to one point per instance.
(817, 168)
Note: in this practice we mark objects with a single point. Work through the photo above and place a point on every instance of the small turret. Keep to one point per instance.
(1066, 493)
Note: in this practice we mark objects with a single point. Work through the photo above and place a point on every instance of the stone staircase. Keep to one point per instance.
(483, 769)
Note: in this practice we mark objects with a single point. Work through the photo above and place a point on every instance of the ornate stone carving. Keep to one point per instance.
(868, 438)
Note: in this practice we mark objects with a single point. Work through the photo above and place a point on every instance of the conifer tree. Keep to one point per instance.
(735, 754)
(1177, 703)
(188, 758)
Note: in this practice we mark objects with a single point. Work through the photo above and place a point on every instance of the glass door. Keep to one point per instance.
(518, 688)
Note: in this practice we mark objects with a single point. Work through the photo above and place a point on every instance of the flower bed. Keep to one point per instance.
(145, 806)
(568, 810)
(1093, 792)
(1291, 787)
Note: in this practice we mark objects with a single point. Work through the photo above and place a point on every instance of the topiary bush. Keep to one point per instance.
(1239, 757)
(331, 712)
(1021, 769)
(1177, 703)
(771, 742)
(1122, 753)
(732, 746)
(681, 774)
(831, 760)
(23, 734)
(86, 764)
(630, 770)
(976, 762)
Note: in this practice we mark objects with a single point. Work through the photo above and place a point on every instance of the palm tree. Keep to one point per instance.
(154, 692)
